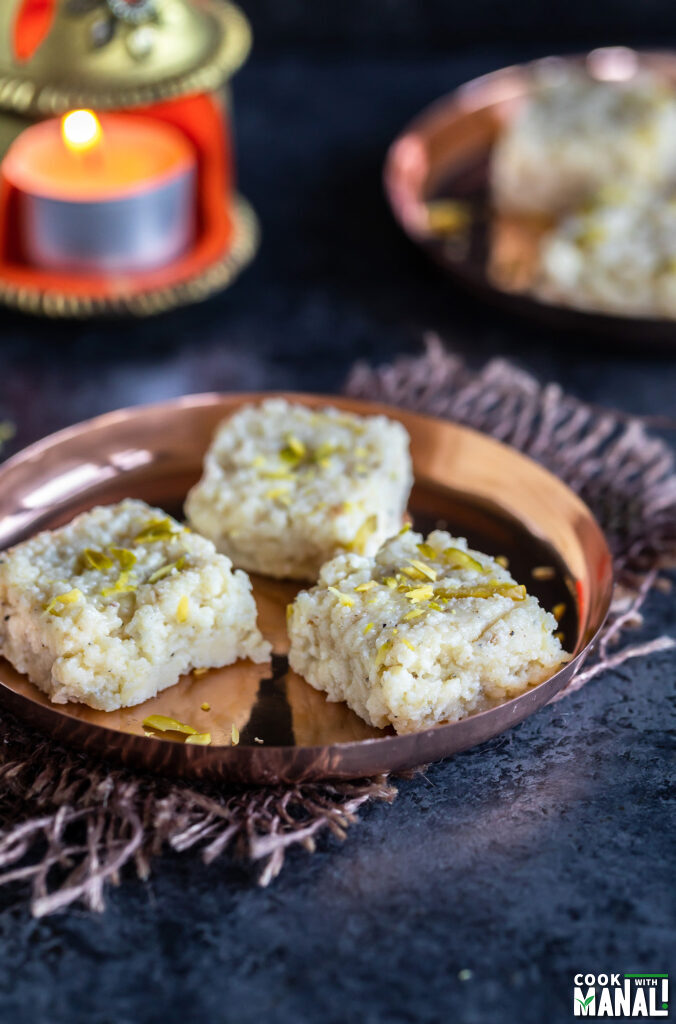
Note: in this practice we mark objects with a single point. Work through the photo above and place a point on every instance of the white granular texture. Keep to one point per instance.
(617, 255)
(406, 649)
(108, 646)
(286, 487)
(575, 133)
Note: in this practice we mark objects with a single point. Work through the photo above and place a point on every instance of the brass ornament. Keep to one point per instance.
(110, 54)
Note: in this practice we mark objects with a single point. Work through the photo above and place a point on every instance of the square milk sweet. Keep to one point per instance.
(576, 133)
(118, 604)
(427, 631)
(285, 487)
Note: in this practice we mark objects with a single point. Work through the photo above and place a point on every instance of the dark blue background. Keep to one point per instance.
(545, 852)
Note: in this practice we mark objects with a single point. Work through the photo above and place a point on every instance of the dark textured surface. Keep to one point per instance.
(543, 853)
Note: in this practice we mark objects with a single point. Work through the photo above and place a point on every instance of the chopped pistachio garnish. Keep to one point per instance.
(484, 590)
(165, 570)
(156, 530)
(368, 627)
(199, 739)
(277, 492)
(405, 528)
(234, 734)
(503, 561)
(366, 530)
(296, 445)
(344, 599)
(543, 572)
(361, 587)
(121, 586)
(458, 559)
(183, 609)
(289, 612)
(420, 593)
(390, 582)
(437, 607)
(94, 559)
(425, 570)
(125, 557)
(426, 550)
(70, 597)
(324, 451)
(7, 431)
(448, 216)
(277, 474)
(206, 706)
(408, 643)
(165, 724)
(559, 610)
(381, 653)
(414, 613)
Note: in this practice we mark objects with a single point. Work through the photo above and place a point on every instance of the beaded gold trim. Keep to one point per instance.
(216, 277)
(26, 96)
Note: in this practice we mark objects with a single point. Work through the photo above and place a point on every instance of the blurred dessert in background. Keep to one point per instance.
(575, 133)
(616, 254)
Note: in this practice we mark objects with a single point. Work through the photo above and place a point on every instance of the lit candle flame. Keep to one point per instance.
(81, 130)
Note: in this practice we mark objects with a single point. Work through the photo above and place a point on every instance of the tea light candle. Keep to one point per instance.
(103, 195)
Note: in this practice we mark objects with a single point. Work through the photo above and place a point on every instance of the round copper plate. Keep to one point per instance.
(502, 501)
(445, 154)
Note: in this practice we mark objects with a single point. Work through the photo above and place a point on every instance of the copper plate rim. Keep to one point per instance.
(406, 200)
(218, 275)
(339, 760)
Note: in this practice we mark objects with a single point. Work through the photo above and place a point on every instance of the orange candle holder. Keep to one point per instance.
(86, 230)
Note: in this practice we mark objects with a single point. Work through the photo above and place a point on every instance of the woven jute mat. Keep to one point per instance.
(70, 825)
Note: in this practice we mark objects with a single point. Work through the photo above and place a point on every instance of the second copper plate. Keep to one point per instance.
(503, 502)
(445, 154)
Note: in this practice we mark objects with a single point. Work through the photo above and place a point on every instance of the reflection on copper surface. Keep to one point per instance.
(513, 251)
(502, 501)
(61, 486)
(314, 716)
(131, 458)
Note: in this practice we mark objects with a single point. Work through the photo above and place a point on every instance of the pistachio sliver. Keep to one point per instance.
(94, 559)
(165, 724)
(366, 530)
(156, 530)
(70, 597)
(458, 559)
(199, 739)
(125, 557)
(166, 570)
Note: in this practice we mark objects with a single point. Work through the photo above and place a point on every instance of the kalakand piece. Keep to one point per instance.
(575, 133)
(617, 254)
(118, 604)
(285, 487)
(426, 632)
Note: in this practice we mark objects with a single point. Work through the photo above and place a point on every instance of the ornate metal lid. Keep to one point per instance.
(60, 54)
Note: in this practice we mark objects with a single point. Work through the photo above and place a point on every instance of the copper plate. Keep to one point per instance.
(502, 501)
(445, 153)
